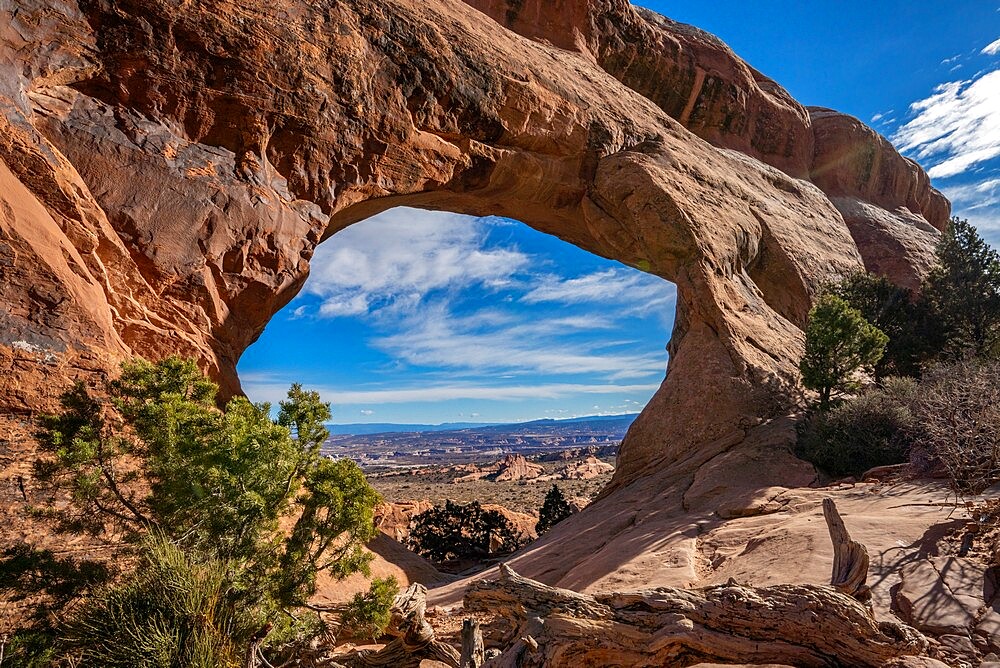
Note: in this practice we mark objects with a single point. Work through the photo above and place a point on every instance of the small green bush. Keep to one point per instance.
(368, 615)
(454, 531)
(171, 611)
(862, 432)
(839, 343)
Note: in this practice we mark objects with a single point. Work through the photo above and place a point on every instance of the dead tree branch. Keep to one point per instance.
(801, 625)
(850, 558)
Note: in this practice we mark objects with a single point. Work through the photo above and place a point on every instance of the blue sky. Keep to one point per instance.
(429, 317)
(433, 317)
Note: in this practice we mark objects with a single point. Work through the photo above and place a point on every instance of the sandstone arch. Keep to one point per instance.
(169, 167)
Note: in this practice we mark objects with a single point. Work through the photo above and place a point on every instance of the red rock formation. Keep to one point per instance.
(516, 467)
(588, 469)
(393, 518)
(887, 201)
(168, 169)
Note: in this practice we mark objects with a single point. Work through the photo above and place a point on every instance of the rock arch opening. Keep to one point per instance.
(174, 207)
(425, 317)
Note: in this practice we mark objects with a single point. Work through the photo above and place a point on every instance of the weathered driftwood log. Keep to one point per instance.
(473, 650)
(800, 625)
(850, 558)
(414, 639)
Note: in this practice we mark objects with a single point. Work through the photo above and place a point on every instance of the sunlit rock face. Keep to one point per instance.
(168, 169)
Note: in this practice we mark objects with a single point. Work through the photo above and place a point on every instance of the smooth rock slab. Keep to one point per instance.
(944, 595)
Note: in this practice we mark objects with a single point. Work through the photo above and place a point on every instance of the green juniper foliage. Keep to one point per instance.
(897, 314)
(554, 510)
(367, 614)
(173, 610)
(872, 429)
(839, 342)
(948, 335)
(962, 293)
(159, 458)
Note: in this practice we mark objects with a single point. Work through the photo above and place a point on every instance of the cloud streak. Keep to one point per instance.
(614, 285)
(973, 196)
(957, 127)
(493, 342)
(420, 277)
(264, 387)
(393, 261)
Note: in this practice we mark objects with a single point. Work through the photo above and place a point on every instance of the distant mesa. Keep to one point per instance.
(373, 428)
(615, 423)
(511, 467)
(588, 469)
(515, 467)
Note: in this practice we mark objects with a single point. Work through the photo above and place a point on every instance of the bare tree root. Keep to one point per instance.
(800, 625)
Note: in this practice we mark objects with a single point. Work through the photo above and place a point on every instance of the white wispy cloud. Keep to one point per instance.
(956, 128)
(267, 387)
(410, 272)
(973, 196)
(992, 49)
(987, 221)
(394, 260)
(612, 285)
(494, 342)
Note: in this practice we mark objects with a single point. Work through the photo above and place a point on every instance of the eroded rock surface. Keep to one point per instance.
(516, 467)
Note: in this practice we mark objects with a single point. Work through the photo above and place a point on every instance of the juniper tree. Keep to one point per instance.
(159, 458)
(454, 531)
(839, 342)
(553, 511)
(963, 292)
(897, 313)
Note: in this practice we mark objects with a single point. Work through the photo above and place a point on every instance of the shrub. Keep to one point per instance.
(171, 611)
(959, 422)
(862, 432)
(454, 531)
(839, 342)
(368, 614)
(554, 510)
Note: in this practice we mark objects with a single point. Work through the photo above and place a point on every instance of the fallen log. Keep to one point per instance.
(800, 625)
